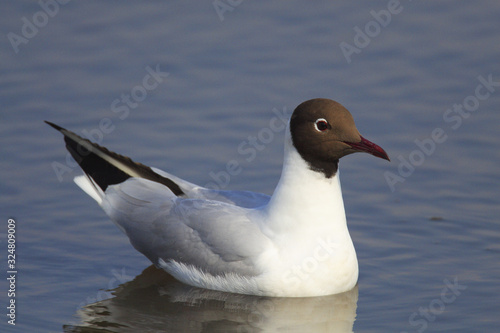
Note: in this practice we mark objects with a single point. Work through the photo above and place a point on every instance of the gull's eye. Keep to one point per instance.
(321, 125)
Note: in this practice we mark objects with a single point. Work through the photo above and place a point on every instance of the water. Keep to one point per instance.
(427, 245)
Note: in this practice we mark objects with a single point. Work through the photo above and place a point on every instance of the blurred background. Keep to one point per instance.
(189, 87)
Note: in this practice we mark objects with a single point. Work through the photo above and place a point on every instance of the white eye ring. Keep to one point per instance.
(321, 125)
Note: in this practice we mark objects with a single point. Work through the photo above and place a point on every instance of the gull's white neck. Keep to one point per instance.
(305, 219)
(305, 201)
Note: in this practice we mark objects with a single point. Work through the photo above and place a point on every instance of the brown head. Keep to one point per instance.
(323, 131)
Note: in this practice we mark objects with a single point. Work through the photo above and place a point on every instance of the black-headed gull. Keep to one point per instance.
(292, 244)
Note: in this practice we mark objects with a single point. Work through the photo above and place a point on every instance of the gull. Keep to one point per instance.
(294, 243)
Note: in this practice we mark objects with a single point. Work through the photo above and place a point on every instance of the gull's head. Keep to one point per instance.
(323, 131)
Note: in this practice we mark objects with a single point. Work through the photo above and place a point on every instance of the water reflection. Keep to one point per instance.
(155, 302)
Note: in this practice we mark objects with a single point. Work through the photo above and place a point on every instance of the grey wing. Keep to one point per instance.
(244, 199)
(215, 236)
(166, 217)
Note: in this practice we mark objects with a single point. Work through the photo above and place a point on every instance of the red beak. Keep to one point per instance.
(369, 147)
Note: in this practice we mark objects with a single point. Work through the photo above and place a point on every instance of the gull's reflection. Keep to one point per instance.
(155, 302)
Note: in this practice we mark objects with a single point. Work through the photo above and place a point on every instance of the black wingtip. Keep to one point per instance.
(106, 167)
(59, 128)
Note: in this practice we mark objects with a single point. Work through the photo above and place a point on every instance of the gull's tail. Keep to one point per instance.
(103, 168)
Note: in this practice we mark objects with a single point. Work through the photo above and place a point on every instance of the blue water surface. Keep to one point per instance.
(414, 75)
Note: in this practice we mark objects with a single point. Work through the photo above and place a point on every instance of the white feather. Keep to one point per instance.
(89, 187)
